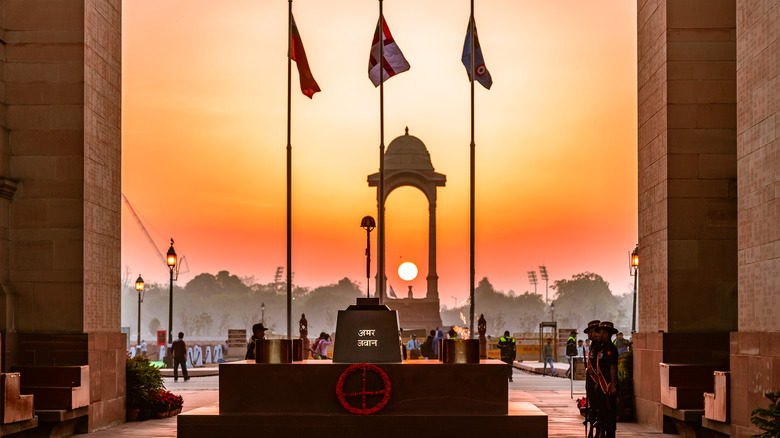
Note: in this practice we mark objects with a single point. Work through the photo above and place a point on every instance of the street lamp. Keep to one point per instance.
(139, 287)
(170, 259)
(368, 224)
(552, 309)
(262, 309)
(633, 270)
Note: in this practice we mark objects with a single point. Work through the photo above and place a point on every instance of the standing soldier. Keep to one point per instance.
(508, 352)
(591, 376)
(607, 361)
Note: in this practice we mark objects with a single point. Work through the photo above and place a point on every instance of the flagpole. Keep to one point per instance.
(381, 193)
(289, 172)
(471, 188)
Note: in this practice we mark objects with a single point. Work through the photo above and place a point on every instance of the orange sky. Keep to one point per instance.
(204, 116)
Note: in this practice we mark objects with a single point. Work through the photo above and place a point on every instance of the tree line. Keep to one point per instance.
(210, 304)
(584, 297)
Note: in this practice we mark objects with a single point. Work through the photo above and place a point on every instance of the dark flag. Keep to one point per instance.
(482, 73)
(298, 54)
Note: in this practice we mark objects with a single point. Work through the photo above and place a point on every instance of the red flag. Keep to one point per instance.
(298, 54)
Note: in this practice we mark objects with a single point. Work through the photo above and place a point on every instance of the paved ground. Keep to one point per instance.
(550, 394)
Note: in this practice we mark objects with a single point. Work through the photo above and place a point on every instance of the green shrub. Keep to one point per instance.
(768, 419)
(625, 394)
(141, 377)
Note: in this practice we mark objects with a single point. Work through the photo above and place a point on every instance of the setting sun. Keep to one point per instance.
(407, 271)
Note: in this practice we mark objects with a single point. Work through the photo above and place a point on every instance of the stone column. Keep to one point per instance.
(687, 189)
(433, 278)
(755, 349)
(62, 88)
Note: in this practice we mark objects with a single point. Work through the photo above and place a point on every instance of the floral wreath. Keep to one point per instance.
(365, 367)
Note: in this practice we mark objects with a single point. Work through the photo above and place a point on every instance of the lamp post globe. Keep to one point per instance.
(633, 269)
(139, 287)
(170, 260)
(368, 224)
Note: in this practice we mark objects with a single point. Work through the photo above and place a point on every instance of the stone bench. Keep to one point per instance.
(16, 409)
(683, 385)
(716, 404)
(56, 387)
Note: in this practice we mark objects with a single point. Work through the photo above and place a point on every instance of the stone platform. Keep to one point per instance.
(300, 398)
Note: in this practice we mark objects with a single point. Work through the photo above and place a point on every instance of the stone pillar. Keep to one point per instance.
(755, 349)
(433, 277)
(60, 256)
(687, 188)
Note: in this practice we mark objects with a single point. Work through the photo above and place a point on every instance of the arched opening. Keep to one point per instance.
(406, 238)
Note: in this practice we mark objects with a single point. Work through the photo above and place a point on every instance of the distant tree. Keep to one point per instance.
(128, 282)
(247, 319)
(521, 313)
(154, 326)
(584, 297)
(202, 284)
(248, 281)
(203, 323)
(225, 324)
(229, 282)
(185, 322)
(322, 304)
(205, 285)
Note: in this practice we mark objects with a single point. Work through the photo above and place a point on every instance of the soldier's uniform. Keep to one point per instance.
(591, 390)
(606, 358)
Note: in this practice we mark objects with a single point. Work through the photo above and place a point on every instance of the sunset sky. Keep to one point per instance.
(204, 136)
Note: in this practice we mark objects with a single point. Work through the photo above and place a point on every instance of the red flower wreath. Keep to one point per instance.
(363, 393)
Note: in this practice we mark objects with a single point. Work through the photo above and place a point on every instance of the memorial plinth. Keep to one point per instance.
(367, 332)
(366, 391)
(426, 397)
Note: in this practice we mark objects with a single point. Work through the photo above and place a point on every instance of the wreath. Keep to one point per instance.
(363, 393)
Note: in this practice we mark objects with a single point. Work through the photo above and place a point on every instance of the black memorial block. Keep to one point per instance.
(367, 333)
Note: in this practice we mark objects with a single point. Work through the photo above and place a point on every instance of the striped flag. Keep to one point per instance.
(482, 73)
(393, 62)
(308, 84)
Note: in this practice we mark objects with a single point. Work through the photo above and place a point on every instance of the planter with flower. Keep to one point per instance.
(165, 403)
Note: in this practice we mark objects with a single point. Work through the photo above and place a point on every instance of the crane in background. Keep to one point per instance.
(182, 260)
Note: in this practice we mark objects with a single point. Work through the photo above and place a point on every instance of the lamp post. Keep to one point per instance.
(633, 269)
(368, 224)
(552, 310)
(543, 273)
(262, 310)
(170, 259)
(139, 287)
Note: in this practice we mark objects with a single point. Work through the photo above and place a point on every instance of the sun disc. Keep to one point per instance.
(407, 271)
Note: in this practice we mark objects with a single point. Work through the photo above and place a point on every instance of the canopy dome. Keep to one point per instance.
(407, 152)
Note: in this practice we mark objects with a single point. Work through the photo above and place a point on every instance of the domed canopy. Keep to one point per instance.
(407, 152)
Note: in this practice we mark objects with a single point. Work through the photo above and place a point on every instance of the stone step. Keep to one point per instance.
(690, 375)
(683, 385)
(52, 397)
(54, 375)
